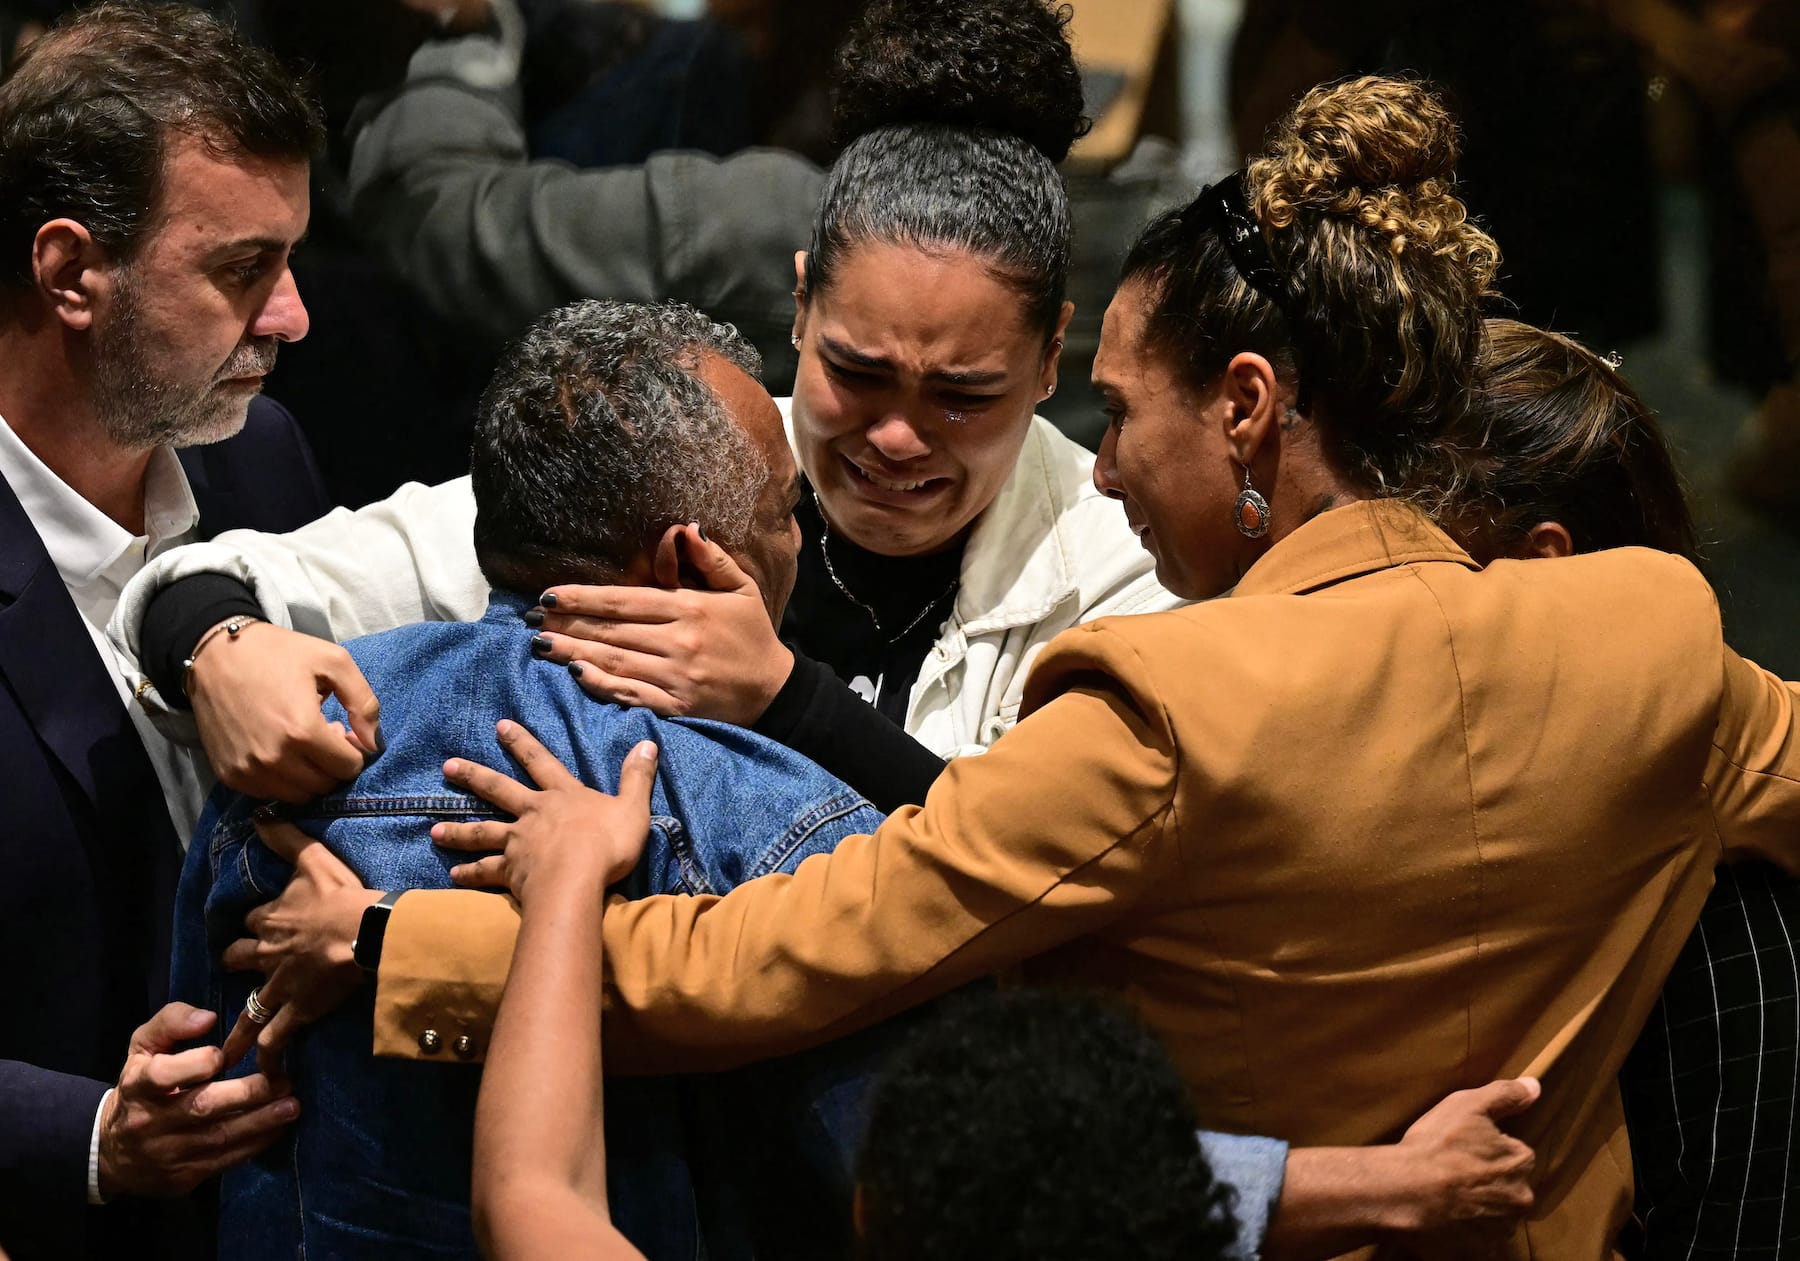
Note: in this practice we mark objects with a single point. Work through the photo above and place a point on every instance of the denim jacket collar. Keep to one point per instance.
(507, 608)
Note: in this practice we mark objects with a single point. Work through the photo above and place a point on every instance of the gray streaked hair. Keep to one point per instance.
(933, 188)
(596, 435)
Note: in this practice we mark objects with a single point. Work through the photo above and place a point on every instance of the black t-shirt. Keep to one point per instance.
(874, 624)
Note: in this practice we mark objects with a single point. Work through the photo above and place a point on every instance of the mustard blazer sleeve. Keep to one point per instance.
(444, 962)
(1062, 827)
(1753, 774)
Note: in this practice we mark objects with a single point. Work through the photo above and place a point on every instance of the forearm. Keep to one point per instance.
(539, 1119)
(1056, 832)
(1336, 1199)
(818, 717)
(1063, 828)
(535, 1220)
(176, 619)
(408, 558)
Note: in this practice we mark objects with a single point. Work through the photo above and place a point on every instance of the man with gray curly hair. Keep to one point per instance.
(607, 424)
(616, 443)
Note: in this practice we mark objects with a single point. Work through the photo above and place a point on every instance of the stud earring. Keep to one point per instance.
(1251, 510)
(794, 340)
(1050, 390)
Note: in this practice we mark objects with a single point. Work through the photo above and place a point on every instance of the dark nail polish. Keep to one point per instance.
(534, 618)
(548, 600)
(703, 535)
(575, 668)
(540, 645)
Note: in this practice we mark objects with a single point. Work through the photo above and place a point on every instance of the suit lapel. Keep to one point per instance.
(48, 663)
(48, 658)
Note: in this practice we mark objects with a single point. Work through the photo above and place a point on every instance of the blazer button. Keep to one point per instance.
(430, 1042)
(464, 1046)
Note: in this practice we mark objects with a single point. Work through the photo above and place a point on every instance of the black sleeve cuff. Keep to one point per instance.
(787, 712)
(816, 716)
(177, 616)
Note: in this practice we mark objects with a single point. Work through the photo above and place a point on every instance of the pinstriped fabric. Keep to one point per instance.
(1712, 1088)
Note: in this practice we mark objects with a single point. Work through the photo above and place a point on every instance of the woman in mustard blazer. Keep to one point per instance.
(1378, 826)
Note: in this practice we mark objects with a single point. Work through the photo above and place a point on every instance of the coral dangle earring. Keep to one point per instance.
(1251, 510)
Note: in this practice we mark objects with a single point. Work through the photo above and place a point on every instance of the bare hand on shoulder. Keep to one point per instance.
(256, 698)
(679, 651)
(564, 834)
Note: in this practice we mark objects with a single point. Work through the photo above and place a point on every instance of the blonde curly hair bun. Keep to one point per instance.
(1378, 153)
(1382, 277)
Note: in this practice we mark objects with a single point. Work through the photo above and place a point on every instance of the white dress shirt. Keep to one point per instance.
(96, 557)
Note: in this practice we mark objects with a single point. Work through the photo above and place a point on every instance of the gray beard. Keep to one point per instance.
(138, 408)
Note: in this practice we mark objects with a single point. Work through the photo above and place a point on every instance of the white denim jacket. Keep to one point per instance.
(1049, 552)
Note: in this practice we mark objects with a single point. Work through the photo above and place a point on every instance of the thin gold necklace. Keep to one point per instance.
(832, 573)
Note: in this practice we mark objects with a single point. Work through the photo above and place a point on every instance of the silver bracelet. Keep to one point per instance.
(231, 629)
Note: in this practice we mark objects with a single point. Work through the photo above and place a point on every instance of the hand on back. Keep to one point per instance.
(169, 1125)
(1474, 1178)
(564, 835)
(256, 698)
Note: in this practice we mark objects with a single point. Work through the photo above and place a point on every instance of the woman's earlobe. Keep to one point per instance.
(1548, 540)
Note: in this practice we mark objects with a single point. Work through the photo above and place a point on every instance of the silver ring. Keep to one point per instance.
(253, 1008)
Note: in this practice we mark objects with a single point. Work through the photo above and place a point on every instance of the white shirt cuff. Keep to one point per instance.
(94, 1196)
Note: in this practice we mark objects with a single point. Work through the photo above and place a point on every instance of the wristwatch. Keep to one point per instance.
(366, 949)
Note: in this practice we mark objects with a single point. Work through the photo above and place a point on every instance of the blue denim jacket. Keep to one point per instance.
(378, 1163)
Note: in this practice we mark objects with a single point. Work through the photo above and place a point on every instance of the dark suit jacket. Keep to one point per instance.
(90, 859)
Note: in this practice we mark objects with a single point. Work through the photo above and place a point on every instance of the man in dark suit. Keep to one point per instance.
(153, 180)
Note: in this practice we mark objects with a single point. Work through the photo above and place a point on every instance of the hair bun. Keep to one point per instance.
(1380, 151)
(999, 65)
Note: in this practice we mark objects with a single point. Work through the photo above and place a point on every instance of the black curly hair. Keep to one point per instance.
(1001, 65)
(1036, 1125)
(954, 114)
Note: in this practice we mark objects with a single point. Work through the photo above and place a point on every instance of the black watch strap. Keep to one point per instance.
(366, 949)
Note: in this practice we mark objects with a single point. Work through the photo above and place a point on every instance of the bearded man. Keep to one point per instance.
(154, 176)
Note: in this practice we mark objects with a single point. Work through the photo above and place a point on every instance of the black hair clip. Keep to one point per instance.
(1223, 209)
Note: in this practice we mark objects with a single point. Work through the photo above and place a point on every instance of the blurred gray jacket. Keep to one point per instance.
(443, 185)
